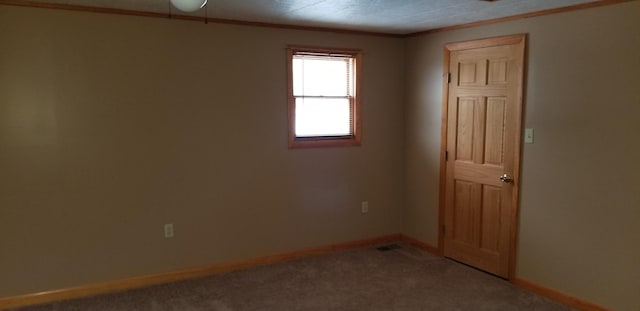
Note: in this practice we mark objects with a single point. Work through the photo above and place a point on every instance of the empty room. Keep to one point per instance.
(319, 155)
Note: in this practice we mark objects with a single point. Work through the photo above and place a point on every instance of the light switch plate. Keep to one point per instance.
(528, 136)
(168, 231)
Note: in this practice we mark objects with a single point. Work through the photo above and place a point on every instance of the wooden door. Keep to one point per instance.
(483, 128)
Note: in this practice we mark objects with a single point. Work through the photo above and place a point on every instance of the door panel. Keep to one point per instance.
(494, 136)
(491, 210)
(498, 71)
(466, 194)
(483, 130)
(466, 116)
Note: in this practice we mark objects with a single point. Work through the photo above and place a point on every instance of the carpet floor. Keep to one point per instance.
(402, 278)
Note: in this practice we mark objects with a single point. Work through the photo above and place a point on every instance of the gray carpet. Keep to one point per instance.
(403, 278)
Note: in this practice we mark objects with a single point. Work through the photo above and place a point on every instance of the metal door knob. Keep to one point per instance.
(506, 178)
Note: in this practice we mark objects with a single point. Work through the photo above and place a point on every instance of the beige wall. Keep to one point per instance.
(111, 126)
(580, 200)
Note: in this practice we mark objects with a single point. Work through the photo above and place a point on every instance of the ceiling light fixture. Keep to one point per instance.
(189, 5)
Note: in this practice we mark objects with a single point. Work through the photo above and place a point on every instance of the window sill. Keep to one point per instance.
(314, 142)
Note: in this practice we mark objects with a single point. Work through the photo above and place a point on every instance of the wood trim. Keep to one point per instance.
(148, 280)
(202, 19)
(83, 8)
(515, 199)
(521, 16)
(558, 296)
(291, 114)
(483, 43)
(442, 200)
(323, 143)
(419, 244)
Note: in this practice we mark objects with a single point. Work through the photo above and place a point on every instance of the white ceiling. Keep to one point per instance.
(384, 16)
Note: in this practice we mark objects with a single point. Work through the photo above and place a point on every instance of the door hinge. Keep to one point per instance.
(443, 230)
(446, 155)
(449, 77)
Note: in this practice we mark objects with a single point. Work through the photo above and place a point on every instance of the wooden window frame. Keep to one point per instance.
(325, 141)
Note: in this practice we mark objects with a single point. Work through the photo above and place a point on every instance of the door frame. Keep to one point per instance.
(474, 44)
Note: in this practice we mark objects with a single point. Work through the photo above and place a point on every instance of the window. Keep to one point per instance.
(324, 109)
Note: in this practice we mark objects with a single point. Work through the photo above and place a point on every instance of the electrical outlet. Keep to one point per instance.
(365, 207)
(168, 230)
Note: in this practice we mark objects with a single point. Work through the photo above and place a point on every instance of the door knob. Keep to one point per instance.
(505, 178)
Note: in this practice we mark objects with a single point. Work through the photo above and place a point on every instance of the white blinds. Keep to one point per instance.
(316, 75)
(323, 89)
